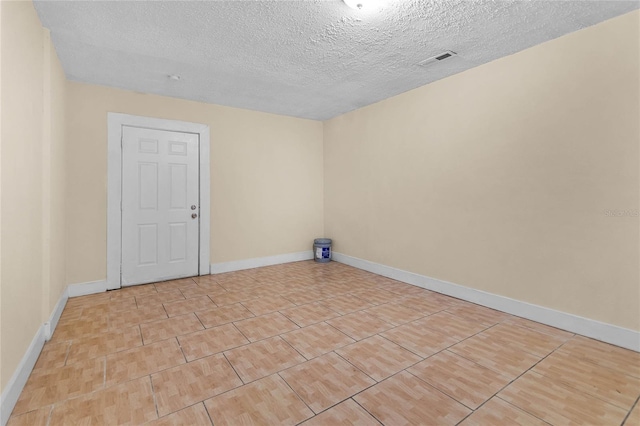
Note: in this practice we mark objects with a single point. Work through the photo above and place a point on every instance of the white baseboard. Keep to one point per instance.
(83, 289)
(609, 333)
(239, 265)
(15, 385)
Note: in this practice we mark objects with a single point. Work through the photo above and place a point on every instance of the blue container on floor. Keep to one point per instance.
(322, 250)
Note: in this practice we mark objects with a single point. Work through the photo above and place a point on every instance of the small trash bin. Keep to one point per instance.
(322, 250)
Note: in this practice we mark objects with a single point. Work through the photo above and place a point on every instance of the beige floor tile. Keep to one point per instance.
(142, 361)
(121, 304)
(325, 381)
(467, 382)
(174, 284)
(268, 401)
(159, 298)
(231, 297)
(263, 358)
(376, 296)
(556, 403)
(359, 325)
(523, 338)
(455, 326)
(211, 341)
(265, 305)
(304, 297)
(312, 313)
(104, 343)
(171, 327)
(203, 289)
(502, 359)
(422, 341)
(499, 412)
(136, 290)
(424, 304)
(39, 417)
(194, 382)
(633, 418)
(346, 304)
(53, 355)
(406, 400)
(542, 328)
(134, 317)
(49, 386)
(346, 413)
(79, 328)
(264, 326)
(224, 315)
(602, 382)
(402, 289)
(394, 313)
(195, 304)
(613, 357)
(478, 314)
(317, 339)
(130, 403)
(378, 357)
(196, 415)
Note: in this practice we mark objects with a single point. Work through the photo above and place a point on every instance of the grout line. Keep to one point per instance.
(155, 400)
(629, 413)
(367, 411)
(234, 370)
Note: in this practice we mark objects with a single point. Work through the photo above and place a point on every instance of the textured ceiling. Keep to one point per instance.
(310, 59)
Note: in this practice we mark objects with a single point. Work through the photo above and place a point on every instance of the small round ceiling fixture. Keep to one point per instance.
(362, 4)
(174, 77)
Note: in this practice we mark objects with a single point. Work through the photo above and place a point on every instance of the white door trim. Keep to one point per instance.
(115, 121)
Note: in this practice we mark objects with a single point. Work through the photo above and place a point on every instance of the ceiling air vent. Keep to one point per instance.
(441, 57)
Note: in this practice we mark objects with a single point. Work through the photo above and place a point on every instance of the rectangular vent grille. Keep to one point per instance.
(441, 57)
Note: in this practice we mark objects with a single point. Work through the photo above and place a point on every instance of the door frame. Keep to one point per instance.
(115, 122)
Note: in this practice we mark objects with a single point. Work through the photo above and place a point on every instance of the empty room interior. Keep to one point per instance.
(166, 169)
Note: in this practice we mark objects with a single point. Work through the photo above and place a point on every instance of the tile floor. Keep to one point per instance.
(318, 344)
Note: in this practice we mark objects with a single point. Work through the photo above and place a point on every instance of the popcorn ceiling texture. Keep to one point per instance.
(309, 59)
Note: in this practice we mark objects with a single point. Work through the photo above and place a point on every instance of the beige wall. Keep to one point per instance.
(266, 176)
(498, 178)
(32, 136)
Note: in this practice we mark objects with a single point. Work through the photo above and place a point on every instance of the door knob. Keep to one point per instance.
(193, 207)
(194, 215)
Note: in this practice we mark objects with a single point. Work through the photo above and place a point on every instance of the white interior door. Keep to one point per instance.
(160, 205)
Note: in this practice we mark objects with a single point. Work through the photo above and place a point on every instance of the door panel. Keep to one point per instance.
(159, 187)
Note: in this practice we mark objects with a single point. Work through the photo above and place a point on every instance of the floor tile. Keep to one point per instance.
(465, 381)
(196, 415)
(359, 325)
(346, 304)
(191, 383)
(542, 328)
(317, 339)
(134, 317)
(79, 328)
(39, 417)
(424, 304)
(265, 326)
(171, 327)
(174, 285)
(195, 304)
(263, 358)
(523, 338)
(265, 305)
(305, 296)
(325, 381)
(53, 355)
(159, 298)
(478, 314)
(231, 297)
(211, 341)
(556, 403)
(420, 340)
(633, 418)
(268, 401)
(376, 296)
(502, 359)
(202, 289)
(142, 361)
(312, 313)
(457, 327)
(613, 357)
(602, 382)
(378, 357)
(46, 387)
(130, 403)
(104, 343)
(224, 315)
(394, 313)
(499, 412)
(346, 413)
(405, 400)
(136, 290)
